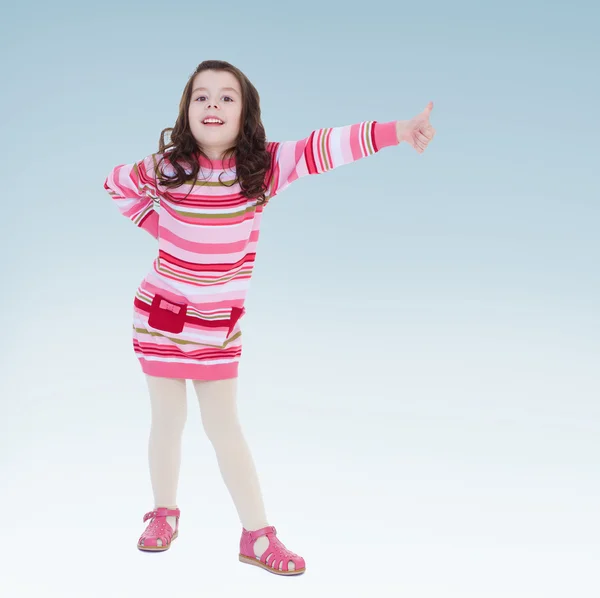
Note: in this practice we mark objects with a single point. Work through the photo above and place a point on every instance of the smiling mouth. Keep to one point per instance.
(212, 121)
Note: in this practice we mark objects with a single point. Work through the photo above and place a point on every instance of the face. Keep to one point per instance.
(215, 94)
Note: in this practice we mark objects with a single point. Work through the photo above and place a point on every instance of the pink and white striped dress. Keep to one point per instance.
(187, 309)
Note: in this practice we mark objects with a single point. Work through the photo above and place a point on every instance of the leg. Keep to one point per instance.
(169, 414)
(218, 407)
(218, 410)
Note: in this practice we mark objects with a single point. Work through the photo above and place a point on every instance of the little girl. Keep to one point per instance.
(187, 309)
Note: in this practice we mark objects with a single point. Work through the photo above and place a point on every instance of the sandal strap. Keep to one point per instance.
(161, 512)
(263, 531)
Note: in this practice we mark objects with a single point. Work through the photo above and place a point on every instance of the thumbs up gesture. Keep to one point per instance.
(417, 131)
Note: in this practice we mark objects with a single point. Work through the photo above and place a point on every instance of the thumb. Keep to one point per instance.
(428, 109)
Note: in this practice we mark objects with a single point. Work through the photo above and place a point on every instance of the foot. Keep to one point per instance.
(260, 547)
(162, 529)
(269, 552)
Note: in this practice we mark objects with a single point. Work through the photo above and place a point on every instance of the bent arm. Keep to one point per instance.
(134, 193)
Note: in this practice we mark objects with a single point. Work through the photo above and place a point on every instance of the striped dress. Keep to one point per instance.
(187, 310)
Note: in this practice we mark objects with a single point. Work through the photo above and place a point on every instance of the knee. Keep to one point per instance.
(221, 430)
(169, 422)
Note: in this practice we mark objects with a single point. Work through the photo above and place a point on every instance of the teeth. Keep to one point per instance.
(212, 120)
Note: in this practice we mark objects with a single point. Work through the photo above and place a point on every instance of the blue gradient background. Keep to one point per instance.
(420, 376)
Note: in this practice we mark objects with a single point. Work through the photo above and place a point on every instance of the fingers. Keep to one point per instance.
(426, 135)
(422, 138)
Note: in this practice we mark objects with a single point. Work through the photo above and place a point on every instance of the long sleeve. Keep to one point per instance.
(134, 191)
(325, 149)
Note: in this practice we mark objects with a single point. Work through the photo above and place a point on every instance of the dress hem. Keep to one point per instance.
(193, 371)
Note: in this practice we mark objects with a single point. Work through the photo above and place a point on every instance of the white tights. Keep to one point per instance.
(218, 409)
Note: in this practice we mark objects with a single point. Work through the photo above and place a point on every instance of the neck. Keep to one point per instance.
(215, 153)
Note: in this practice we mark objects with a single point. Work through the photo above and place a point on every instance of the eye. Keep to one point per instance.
(228, 98)
(200, 97)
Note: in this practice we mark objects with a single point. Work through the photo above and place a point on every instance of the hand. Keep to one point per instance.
(417, 131)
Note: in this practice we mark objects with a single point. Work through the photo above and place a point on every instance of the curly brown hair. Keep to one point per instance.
(252, 159)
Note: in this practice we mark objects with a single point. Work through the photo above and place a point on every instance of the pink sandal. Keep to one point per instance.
(159, 529)
(278, 554)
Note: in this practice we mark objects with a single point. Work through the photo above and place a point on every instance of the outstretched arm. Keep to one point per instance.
(325, 149)
(133, 188)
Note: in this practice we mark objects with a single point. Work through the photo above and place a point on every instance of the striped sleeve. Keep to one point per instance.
(325, 149)
(133, 189)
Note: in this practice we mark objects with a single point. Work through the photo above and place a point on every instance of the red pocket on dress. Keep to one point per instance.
(167, 315)
(236, 314)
